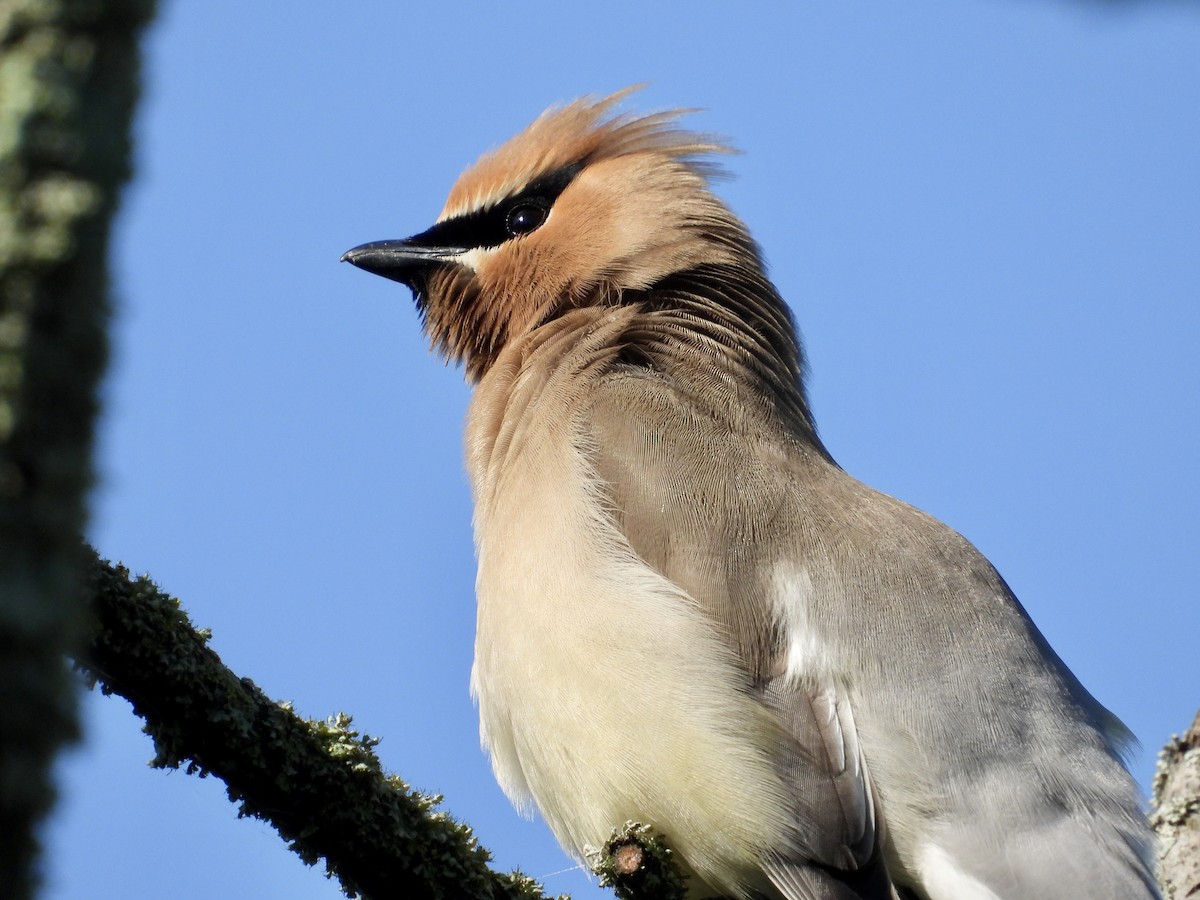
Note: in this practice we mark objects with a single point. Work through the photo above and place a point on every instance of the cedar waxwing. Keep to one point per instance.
(688, 615)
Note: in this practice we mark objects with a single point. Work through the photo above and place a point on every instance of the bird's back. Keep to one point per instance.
(960, 703)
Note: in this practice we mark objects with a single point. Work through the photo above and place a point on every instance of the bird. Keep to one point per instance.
(688, 614)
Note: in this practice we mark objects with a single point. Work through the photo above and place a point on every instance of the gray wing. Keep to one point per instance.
(699, 498)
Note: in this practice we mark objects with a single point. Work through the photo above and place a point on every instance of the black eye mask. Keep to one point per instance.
(512, 217)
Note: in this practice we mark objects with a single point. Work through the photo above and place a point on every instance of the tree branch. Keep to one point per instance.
(319, 783)
(1176, 818)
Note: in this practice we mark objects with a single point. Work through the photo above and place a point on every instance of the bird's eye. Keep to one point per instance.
(526, 217)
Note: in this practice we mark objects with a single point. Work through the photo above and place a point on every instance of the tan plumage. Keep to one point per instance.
(688, 614)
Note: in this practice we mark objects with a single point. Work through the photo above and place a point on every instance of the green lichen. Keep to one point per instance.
(319, 782)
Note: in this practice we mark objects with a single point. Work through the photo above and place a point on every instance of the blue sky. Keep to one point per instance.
(986, 216)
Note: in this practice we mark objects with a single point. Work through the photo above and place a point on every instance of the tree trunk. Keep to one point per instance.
(68, 85)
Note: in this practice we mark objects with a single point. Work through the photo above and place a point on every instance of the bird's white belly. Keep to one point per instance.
(604, 696)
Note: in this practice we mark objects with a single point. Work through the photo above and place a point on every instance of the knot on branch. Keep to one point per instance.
(639, 865)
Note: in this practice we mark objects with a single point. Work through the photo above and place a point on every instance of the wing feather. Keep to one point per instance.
(698, 499)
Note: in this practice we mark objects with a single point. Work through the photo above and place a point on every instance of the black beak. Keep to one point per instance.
(400, 261)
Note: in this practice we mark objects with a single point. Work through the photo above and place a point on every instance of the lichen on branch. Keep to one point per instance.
(319, 783)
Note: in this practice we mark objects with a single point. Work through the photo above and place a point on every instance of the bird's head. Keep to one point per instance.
(583, 208)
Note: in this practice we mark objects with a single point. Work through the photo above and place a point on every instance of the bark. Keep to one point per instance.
(1176, 818)
(68, 85)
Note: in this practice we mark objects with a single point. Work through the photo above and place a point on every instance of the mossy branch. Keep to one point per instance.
(319, 783)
